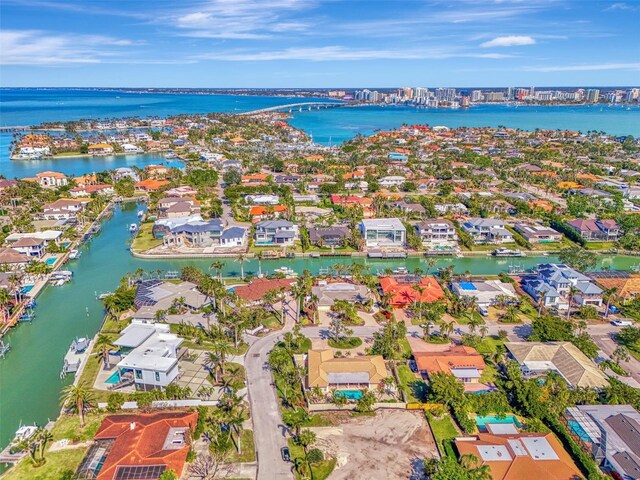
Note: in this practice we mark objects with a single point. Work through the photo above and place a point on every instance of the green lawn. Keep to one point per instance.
(599, 245)
(248, 448)
(321, 470)
(145, 240)
(61, 462)
(90, 372)
(443, 430)
(319, 420)
(490, 345)
(345, 343)
(414, 388)
(58, 466)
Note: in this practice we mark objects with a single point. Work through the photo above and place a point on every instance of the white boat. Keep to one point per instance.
(75, 356)
(74, 254)
(286, 271)
(506, 252)
(13, 453)
(140, 213)
(400, 271)
(133, 228)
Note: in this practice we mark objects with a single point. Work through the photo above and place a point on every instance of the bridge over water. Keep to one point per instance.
(291, 106)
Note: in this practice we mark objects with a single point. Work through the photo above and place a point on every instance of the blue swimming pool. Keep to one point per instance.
(467, 286)
(114, 378)
(482, 421)
(26, 289)
(350, 394)
(50, 261)
(579, 431)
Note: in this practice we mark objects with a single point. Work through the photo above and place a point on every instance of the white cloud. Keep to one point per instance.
(580, 68)
(339, 53)
(509, 41)
(620, 6)
(35, 47)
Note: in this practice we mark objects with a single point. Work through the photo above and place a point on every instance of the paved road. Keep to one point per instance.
(227, 217)
(268, 429)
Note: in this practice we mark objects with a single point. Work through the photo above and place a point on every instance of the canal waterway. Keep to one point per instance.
(29, 375)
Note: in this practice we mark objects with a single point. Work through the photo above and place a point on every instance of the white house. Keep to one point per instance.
(150, 355)
(383, 232)
(487, 230)
(391, 181)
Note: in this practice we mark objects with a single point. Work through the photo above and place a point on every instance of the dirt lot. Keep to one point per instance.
(388, 446)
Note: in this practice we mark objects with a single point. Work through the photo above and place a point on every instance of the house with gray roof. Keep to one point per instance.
(275, 232)
(190, 231)
(487, 230)
(611, 434)
(554, 283)
(330, 236)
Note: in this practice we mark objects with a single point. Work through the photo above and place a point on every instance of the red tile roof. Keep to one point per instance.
(257, 288)
(458, 356)
(403, 294)
(140, 440)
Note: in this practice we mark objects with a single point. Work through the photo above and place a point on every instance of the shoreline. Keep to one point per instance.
(89, 155)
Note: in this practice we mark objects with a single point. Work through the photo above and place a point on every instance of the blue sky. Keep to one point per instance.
(316, 43)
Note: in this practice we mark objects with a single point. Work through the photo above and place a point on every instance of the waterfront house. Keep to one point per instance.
(13, 259)
(383, 232)
(190, 231)
(553, 284)
(140, 446)
(88, 190)
(125, 172)
(275, 232)
(487, 230)
(535, 233)
(156, 171)
(438, 234)
(328, 293)
(538, 358)
(464, 363)
(330, 236)
(150, 355)
(253, 293)
(64, 209)
(595, 230)
(353, 373)
(30, 246)
(407, 289)
(484, 291)
(100, 149)
(47, 236)
(511, 455)
(51, 179)
(154, 295)
(151, 185)
(233, 237)
(610, 434)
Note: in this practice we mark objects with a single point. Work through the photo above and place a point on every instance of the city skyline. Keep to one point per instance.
(318, 44)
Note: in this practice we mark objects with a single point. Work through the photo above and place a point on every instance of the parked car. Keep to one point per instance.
(623, 322)
(483, 311)
(286, 455)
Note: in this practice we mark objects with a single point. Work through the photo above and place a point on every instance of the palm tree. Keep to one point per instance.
(484, 330)
(78, 398)
(222, 347)
(218, 266)
(446, 328)
(259, 256)
(572, 292)
(419, 291)
(102, 347)
(611, 293)
(242, 259)
(5, 300)
(233, 378)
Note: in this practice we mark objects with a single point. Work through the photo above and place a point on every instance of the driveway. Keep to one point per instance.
(603, 336)
(268, 428)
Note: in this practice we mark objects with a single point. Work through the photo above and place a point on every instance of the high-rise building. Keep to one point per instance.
(593, 95)
(532, 91)
(476, 96)
(633, 94)
(494, 96)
